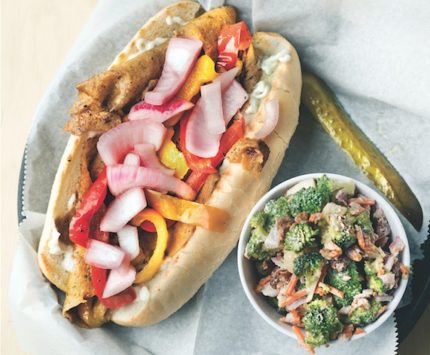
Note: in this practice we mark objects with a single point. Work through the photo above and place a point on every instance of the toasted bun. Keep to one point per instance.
(237, 191)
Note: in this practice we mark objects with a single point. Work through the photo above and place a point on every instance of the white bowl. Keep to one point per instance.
(249, 277)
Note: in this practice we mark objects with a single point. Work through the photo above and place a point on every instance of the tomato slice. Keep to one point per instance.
(232, 39)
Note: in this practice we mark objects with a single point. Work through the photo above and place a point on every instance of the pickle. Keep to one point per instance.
(322, 104)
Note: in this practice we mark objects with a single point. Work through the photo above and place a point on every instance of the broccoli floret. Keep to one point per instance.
(275, 209)
(348, 281)
(300, 236)
(365, 315)
(307, 264)
(364, 221)
(371, 270)
(376, 284)
(255, 248)
(321, 322)
(343, 238)
(311, 199)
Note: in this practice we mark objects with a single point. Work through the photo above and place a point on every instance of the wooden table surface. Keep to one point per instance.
(36, 36)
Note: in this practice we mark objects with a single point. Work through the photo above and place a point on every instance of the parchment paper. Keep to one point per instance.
(371, 54)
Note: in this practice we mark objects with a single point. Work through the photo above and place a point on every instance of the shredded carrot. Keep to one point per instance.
(320, 291)
(262, 282)
(359, 331)
(291, 285)
(364, 201)
(381, 271)
(301, 339)
(294, 297)
(315, 217)
(296, 316)
(404, 270)
(348, 330)
(382, 310)
(332, 290)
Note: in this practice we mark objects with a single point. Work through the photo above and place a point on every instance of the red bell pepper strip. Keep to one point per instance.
(236, 131)
(232, 39)
(149, 227)
(92, 200)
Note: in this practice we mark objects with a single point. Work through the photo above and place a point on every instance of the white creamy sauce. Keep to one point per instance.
(143, 46)
(260, 91)
(54, 244)
(68, 262)
(269, 64)
(262, 88)
(71, 201)
(170, 20)
(142, 294)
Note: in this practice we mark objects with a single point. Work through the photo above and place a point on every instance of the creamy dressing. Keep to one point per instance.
(71, 201)
(269, 64)
(260, 92)
(54, 244)
(68, 262)
(142, 294)
(262, 88)
(170, 20)
(143, 46)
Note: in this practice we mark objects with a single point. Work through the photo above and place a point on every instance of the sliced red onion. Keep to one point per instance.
(269, 291)
(227, 78)
(128, 240)
(232, 100)
(389, 263)
(271, 119)
(384, 298)
(389, 279)
(158, 113)
(198, 140)
(120, 140)
(181, 55)
(124, 177)
(150, 159)
(272, 241)
(123, 209)
(396, 246)
(103, 255)
(297, 304)
(119, 279)
(132, 159)
(366, 293)
(212, 108)
(280, 262)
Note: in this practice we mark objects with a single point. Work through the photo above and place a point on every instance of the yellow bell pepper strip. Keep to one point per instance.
(171, 157)
(154, 263)
(202, 73)
(197, 214)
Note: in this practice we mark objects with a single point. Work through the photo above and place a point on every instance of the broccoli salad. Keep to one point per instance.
(326, 259)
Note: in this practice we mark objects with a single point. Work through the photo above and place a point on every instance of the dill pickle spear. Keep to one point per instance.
(322, 104)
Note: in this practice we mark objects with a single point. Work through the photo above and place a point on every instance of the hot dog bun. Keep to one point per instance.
(245, 175)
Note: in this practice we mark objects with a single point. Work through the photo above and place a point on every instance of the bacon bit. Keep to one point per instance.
(359, 331)
(382, 310)
(404, 270)
(301, 339)
(316, 217)
(301, 217)
(348, 331)
(332, 290)
(354, 254)
(364, 201)
(294, 297)
(291, 285)
(262, 282)
(331, 251)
